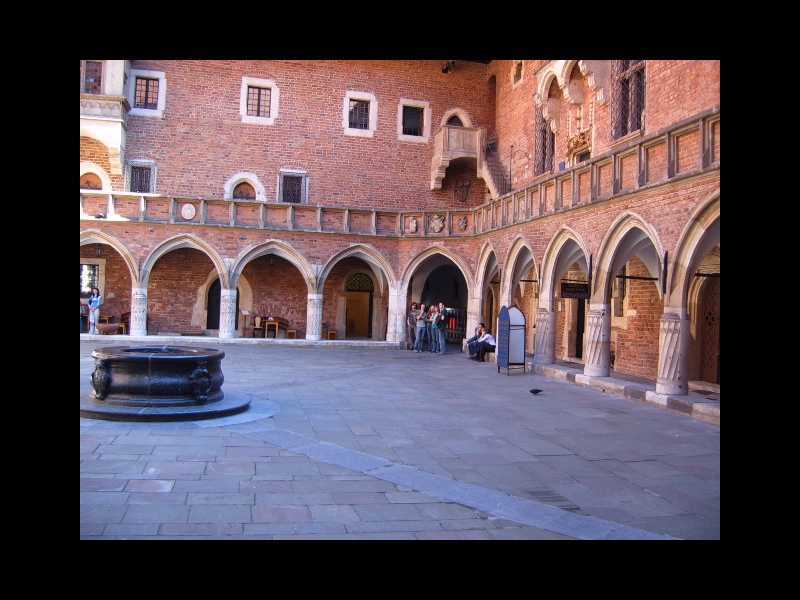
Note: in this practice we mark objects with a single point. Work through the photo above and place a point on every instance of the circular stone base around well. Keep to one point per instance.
(231, 404)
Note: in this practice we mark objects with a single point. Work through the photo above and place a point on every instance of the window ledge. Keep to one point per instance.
(146, 112)
(627, 138)
(417, 139)
(253, 120)
(359, 132)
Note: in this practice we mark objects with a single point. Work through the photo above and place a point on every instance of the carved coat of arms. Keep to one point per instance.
(412, 227)
(462, 223)
(437, 223)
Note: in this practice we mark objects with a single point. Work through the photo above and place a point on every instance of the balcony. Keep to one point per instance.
(459, 143)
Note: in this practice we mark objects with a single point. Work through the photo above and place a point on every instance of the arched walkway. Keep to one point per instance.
(628, 287)
(487, 288)
(438, 274)
(104, 266)
(561, 314)
(520, 285)
(284, 287)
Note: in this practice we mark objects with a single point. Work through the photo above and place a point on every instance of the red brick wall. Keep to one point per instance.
(201, 141)
(280, 289)
(94, 151)
(675, 90)
(636, 348)
(172, 291)
(117, 291)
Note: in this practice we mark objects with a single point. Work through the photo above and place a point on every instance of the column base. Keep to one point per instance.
(313, 338)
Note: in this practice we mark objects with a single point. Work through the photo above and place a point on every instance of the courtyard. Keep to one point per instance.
(379, 443)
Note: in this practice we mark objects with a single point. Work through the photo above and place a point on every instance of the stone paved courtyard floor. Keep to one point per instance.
(389, 444)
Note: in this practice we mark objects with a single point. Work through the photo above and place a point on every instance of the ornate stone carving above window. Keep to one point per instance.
(579, 142)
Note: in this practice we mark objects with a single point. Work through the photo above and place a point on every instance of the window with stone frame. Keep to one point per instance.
(244, 191)
(258, 101)
(627, 96)
(90, 277)
(146, 93)
(544, 145)
(141, 179)
(92, 76)
(413, 120)
(358, 117)
(294, 187)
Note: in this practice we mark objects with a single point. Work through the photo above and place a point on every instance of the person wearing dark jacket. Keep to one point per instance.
(486, 343)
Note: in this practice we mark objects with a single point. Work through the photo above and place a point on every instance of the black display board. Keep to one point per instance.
(510, 348)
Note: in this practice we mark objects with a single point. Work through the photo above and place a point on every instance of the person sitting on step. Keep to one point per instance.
(486, 343)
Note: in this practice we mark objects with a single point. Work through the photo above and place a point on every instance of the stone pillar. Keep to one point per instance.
(314, 317)
(473, 315)
(138, 311)
(396, 327)
(673, 355)
(544, 352)
(227, 313)
(597, 341)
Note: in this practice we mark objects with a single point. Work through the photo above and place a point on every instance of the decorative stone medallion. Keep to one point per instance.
(437, 223)
(462, 223)
(188, 211)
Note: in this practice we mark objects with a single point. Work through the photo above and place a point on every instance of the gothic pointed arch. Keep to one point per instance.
(566, 240)
(628, 235)
(459, 262)
(368, 254)
(278, 248)
(94, 236)
(519, 247)
(180, 241)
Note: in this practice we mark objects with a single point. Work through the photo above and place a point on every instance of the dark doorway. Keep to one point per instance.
(212, 320)
(454, 121)
(358, 310)
(581, 325)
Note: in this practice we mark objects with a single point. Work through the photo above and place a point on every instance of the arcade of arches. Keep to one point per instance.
(612, 310)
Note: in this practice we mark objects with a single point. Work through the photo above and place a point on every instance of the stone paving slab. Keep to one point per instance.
(342, 446)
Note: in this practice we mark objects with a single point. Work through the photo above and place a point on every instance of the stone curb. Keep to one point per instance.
(708, 411)
(182, 339)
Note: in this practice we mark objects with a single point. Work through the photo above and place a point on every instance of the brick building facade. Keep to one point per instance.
(331, 194)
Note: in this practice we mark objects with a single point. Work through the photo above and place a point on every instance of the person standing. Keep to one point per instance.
(441, 328)
(420, 333)
(95, 302)
(433, 335)
(411, 322)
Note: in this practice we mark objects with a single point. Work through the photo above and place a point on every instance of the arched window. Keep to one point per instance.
(90, 181)
(359, 282)
(244, 191)
(545, 141)
(454, 121)
(627, 96)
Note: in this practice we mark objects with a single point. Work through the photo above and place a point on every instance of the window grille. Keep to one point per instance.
(359, 282)
(545, 145)
(413, 118)
(244, 191)
(92, 80)
(258, 100)
(627, 96)
(146, 93)
(582, 157)
(140, 180)
(90, 277)
(292, 188)
(359, 114)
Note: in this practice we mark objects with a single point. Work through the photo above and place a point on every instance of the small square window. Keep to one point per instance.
(140, 180)
(93, 77)
(258, 101)
(413, 120)
(582, 157)
(292, 188)
(146, 93)
(359, 114)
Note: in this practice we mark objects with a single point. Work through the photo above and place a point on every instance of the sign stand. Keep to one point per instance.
(510, 339)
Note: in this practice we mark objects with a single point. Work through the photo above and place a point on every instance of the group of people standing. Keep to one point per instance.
(425, 327)
(425, 330)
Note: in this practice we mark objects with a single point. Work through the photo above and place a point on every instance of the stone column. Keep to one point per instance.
(314, 317)
(227, 313)
(473, 315)
(544, 352)
(597, 341)
(673, 355)
(396, 327)
(138, 311)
